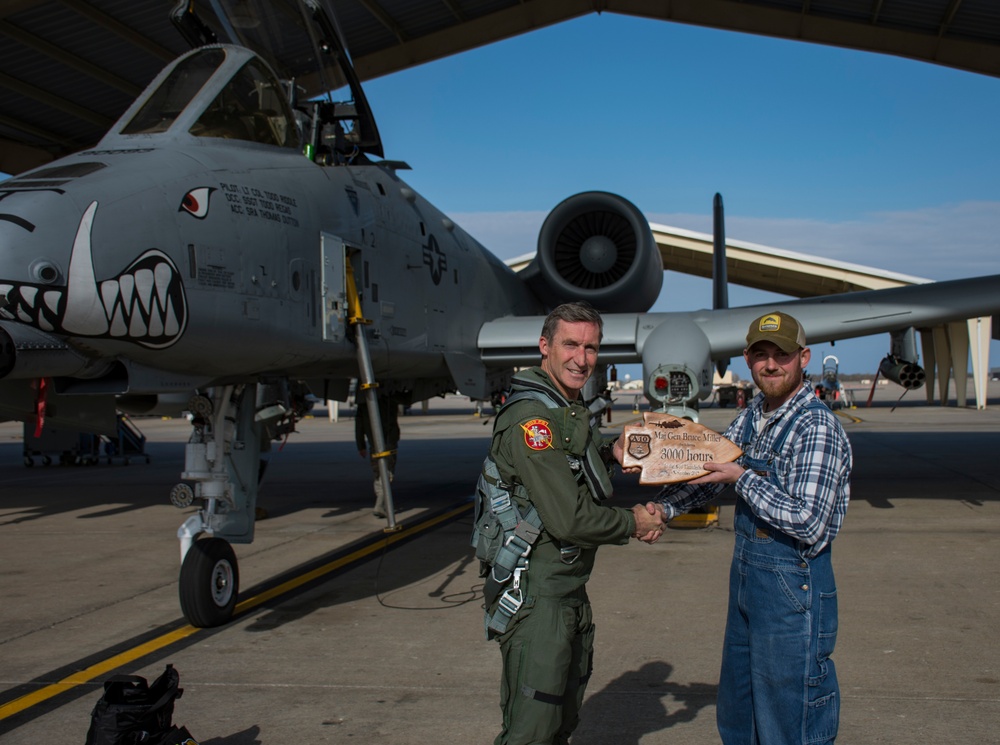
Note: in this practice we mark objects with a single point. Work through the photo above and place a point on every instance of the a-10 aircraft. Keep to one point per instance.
(236, 245)
(829, 389)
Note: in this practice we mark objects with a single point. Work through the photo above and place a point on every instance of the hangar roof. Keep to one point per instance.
(771, 269)
(69, 68)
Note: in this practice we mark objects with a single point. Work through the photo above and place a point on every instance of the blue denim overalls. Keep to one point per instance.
(777, 685)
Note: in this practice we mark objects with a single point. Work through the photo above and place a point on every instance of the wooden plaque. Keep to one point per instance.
(670, 449)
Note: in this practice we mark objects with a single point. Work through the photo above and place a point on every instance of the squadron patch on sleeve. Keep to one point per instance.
(537, 434)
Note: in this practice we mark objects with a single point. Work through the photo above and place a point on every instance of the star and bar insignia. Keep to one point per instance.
(537, 434)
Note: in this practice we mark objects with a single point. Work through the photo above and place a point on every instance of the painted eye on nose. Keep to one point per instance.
(44, 271)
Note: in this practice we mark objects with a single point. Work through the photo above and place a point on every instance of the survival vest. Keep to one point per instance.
(503, 537)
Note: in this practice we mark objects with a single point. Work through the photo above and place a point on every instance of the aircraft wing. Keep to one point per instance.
(680, 348)
(853, 314)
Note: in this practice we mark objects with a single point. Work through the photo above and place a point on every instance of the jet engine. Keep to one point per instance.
(907, 374)
(597, 247)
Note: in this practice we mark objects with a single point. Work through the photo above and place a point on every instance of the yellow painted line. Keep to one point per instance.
(87, 674)
(172, 637)
(851, 417)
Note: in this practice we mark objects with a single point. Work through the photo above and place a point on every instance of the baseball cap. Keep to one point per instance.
(779, 328)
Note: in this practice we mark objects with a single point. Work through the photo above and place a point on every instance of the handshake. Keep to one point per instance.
(650, 522)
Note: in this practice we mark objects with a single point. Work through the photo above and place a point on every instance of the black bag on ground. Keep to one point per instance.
(132, 712)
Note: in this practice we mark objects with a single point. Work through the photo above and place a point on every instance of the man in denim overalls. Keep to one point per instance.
(778, 685)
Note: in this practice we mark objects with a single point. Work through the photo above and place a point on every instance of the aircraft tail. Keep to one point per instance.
(720, 281)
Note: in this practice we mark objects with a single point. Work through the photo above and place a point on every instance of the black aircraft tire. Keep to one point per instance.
(209, 583)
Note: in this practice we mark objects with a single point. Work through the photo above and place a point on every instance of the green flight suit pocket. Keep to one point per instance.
(574, 430)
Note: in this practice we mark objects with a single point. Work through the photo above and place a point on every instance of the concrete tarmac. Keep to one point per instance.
(390, 649)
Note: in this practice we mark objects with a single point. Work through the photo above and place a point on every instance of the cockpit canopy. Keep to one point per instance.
(299, 40)
(251, 105)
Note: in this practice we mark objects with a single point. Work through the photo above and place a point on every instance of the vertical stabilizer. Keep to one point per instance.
(720, 282)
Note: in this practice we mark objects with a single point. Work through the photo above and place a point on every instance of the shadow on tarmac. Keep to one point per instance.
(303, 476)
(379, 576)
(951, 461)
(632, 705)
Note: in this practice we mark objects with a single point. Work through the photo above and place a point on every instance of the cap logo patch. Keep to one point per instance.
(537, 434)
(769, 323)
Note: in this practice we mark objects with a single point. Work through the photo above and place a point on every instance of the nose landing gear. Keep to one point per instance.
(222, 459)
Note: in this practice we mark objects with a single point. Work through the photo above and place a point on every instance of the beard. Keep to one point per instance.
(779, 386)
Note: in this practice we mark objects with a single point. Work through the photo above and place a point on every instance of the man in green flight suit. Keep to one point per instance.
(558, 463)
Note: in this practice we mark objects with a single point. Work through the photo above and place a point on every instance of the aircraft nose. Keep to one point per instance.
(36, 229)
(27, 267)
(49, 279)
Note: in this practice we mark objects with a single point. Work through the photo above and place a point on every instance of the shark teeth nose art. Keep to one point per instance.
(141, 303)
(145, 303)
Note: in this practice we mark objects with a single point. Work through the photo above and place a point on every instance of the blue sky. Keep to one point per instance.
(853, 156)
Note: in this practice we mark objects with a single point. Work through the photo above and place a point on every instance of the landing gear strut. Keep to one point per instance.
(222, 458)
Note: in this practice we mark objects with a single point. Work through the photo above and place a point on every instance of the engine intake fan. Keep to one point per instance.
(598, 247)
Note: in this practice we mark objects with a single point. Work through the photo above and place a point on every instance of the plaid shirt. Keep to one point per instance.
(813, 472)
